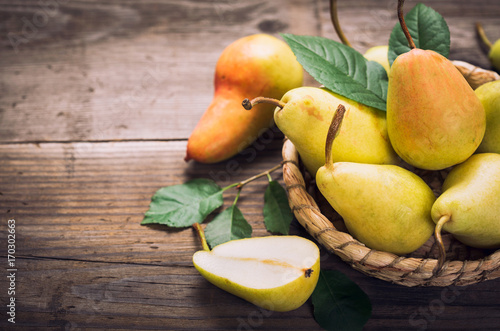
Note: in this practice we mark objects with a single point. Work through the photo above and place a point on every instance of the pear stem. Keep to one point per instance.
(333, 132)
(336, 24)
(201, 235)
(403, 24)
(482, 35)
(248, 104)
(262, 174)
(437, 233)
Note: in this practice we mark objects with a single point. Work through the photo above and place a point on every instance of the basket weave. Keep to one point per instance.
(463, 266)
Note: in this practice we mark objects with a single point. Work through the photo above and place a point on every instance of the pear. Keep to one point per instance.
(494, 54)
(434, 118)
(379, 55)
(469, 205)
(493, 48)
(277, 273)
(386, 207)
(251, 66)
(489, 94)
(304, 115)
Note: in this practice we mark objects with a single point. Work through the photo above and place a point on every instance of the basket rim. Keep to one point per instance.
(407, 271)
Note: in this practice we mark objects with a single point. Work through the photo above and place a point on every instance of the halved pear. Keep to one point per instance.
(277, 273)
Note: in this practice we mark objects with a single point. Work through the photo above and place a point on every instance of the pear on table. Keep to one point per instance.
(434, 118)
(469, 207)
(248, 67)
(386, 207)
(277, 273)
(304, 115)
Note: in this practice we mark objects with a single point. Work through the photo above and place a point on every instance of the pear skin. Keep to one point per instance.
(494, 55)
(470, 201)
(386, 207)
(434, 118)
(305, 120)
(379, 55)
(489, 95)
(255, 65)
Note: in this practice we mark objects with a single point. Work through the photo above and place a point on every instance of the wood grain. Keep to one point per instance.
(84, 260)
(126, 70)
(123, 70)
(97, 100)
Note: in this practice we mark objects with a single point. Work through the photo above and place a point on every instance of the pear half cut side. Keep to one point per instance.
(277, 273)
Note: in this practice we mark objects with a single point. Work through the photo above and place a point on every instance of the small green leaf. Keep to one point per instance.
(341, 69)
(185, 204)
(340, 304)
(428, 30)
(277, 212)
(226, 226)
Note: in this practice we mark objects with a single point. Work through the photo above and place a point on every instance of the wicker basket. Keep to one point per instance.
(464, 265)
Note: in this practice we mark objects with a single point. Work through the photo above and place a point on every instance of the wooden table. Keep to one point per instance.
(97, 100)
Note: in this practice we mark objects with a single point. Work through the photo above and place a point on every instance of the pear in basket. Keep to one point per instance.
(304, 115)
(469, 206)
(386, 207)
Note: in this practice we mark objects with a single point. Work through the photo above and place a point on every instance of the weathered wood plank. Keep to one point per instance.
(123, 70)
(83, 294)
(84, 260)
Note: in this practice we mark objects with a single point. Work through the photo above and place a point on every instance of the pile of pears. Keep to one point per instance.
(434, 121)
(359, 155)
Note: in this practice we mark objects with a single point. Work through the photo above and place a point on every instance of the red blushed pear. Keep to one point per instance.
(434, 118)
(255, 65)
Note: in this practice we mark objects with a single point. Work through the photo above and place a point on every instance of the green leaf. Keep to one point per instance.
(185, 204)
(277, 212)
(226, 226)
(340, 304)
(428, 30)
(341, 69)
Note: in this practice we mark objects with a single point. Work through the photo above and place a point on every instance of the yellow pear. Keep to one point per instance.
(304, 115)
(494, 54)
(379, 55)
(489, 94)
(469, 206)
(386, 207)
(277, 273)
(493, 48)
(434, 118)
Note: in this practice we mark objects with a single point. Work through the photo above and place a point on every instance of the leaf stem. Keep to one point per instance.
(403, 24)
(237, 196)
(230, 186)
(482, 35)
(248, 104)
(201, 235)
(265, 173)
(336, 24)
